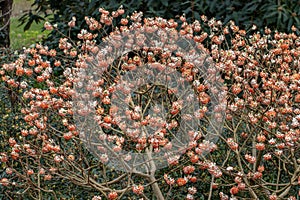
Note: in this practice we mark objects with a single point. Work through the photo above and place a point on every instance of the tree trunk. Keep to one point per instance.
(6, 10)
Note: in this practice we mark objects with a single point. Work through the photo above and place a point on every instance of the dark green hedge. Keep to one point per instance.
(278, 15)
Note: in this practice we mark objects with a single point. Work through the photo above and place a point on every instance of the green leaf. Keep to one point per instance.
(290, 23)
(165, 2)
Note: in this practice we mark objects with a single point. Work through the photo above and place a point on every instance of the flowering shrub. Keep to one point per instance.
(255, 157)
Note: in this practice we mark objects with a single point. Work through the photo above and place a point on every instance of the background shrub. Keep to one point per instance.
(278, 15)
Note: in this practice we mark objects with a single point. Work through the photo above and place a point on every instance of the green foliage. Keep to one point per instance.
(278, 15)
(20, 39)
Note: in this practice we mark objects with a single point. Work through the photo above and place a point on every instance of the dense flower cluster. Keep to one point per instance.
(256, 156)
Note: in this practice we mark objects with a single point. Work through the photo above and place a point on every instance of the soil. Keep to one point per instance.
(20, 7)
